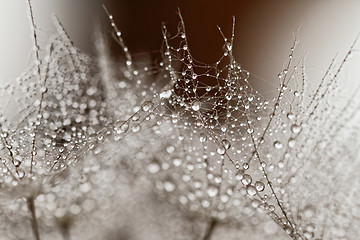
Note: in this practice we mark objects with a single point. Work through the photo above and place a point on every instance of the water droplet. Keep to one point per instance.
(228, 96)
(278, 145)
(169, 186)
(136, 128)
(309, 211)
(246, 180)
(246, 166)
(17, 163)
(291, 143)
(212, 191)
(147, 106)
(224, 198)
(205, 203)
(165, 94)
(251, 190)
(239, 175)
(226, 143)
(202, 137)
(295, 128)
(43, 89)
(260, 186)
(221, 150)
(20, 173)
(153, 167)
(196, 106)
(123, 127)
(290, 116)
(177, 162)
(197, 183)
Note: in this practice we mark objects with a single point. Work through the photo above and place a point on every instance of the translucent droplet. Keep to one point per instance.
(221, 150)
(136, 128)
(153, 167)
(177, 162)
(202, 137)
(295, 128)
(309, 211)
(278, 145)
(224, 198)
(196, 106)
(20, 173)
(291, 143)
(197, 184)
(147, 106)
(255, 203)
(260, 186)
(290, 116)
(246, 180)
(17, 163)
(165, 94)
(239, 175)
(246, 166)
(251, 190)
(226, 143)
(43, 89)
(124, 127)
(205, 203)
(212, 191)
(228, 96)
(169, 186)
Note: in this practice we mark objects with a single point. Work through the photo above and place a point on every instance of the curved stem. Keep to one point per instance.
(210, 229)
(34, 224)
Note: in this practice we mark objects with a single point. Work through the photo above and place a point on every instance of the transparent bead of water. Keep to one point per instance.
(295, 128)
(246, 180)
(196, 106)
(20, 173)
(169, 186)
(226, 143)
(239, 175)
(245, 166)
(202, 137)
(278, 145)
(153, 167)
(147, 106)
(17, 163)
(124, 127)
(221, 150)
(136, 128)
(212, 191)
(260, 186)
(291, 143)
(251, 190)
(177, 162)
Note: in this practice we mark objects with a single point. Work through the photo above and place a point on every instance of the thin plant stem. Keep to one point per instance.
(34, 224)
(64, 226)
(210, 229)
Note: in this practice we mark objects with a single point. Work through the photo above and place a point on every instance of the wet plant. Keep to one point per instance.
(197, 134)
(224, 152)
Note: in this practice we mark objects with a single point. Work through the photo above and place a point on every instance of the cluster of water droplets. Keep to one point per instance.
(58, 112)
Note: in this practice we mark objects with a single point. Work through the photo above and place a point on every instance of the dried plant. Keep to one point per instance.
(198, 134)
(225, 152)
(58, 112)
